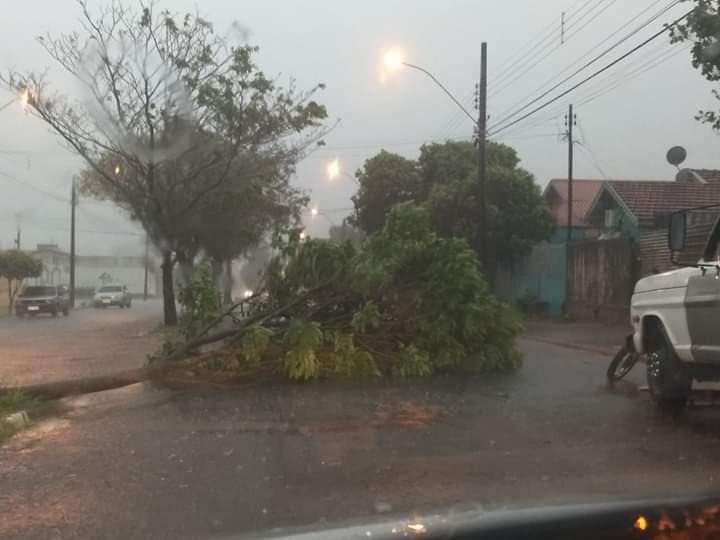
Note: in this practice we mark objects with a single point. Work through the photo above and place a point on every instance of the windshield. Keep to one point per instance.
(110, 288)
(38, 291)
(336, 261)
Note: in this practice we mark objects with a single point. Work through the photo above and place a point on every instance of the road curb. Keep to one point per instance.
(588, 348)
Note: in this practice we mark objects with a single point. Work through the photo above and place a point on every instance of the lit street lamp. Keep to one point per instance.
(334, 170)
(24, 98)
(394, 60)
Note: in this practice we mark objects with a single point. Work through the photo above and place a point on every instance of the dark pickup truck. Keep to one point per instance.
(34, 299)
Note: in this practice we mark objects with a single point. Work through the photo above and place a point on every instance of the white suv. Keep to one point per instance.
(676, 314)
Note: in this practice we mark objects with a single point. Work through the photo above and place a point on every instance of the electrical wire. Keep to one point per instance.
(595, 74)
(33, 187)
(536, 50)
(505, 116)
(533, 61)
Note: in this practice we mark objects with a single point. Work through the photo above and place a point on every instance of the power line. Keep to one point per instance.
(33, 187)
(537, 49)
(616, 79)
(595, 74)
(533, 60)
(504, 116)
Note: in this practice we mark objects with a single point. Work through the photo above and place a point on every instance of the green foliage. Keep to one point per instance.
(302, 340)
(444, 179)
(385, 180)
(350, 362)
(702, 28)
(346, 232)
(417, 302)
(412, 362)
(366, 318)
(200, 300)
(15, 266)
(406, 302)
(254, 344)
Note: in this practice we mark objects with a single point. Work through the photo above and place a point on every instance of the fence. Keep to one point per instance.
(602, 277)
(538, 278)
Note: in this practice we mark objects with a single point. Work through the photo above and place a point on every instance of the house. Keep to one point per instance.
(633, 207)
(93, 271)
(584, 193)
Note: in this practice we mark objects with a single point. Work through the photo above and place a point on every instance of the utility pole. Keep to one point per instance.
(481, 137)
(17, 239)
(570, 122)
(147, 255)
(73, 204)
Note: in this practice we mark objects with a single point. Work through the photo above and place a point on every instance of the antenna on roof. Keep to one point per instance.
(675, 156)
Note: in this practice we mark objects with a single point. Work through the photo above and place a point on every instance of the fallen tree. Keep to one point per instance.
(405, 303)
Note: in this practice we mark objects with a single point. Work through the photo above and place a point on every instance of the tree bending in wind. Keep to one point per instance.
(171, 108)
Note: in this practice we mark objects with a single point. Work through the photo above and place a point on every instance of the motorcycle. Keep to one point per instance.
(624, 361)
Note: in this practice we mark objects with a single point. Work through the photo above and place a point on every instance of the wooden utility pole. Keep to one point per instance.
(570, 120)
(482, 139)
(17, 240)
(73, 204)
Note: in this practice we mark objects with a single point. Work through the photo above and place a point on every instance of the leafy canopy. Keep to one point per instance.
(702, 28)
(444, 180)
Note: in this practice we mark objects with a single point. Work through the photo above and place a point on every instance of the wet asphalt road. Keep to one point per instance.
(145, 462)
(87, 342)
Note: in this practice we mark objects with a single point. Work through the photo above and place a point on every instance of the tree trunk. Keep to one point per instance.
(169, 308)
(227, 283)
(10, 297)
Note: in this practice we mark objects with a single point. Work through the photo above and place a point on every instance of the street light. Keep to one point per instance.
(334, 170)
(24, 99)
(394, 59)
(313, 212)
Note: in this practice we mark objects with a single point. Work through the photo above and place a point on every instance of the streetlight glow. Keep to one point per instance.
(314, 211)
(393, 59)
(333, 169)
(117, 170)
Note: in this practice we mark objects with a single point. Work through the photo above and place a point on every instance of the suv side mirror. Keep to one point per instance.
(677, 231)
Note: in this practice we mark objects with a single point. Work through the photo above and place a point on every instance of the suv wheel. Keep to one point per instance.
(66, 311)
(669, 382)
(54, 312)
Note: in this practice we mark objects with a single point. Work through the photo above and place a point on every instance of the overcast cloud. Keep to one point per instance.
(625, 132)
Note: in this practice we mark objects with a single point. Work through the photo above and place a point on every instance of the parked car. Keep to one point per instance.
(34, 299)
(674, 314)
(112, 295)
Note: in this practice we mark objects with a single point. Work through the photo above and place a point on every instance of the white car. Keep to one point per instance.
(112, 295)
(675, 315)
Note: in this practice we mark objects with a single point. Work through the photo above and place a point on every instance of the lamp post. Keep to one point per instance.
(394, 60)
(334, 169)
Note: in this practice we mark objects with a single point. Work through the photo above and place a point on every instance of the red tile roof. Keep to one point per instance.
(709, 175)
(584, 192)
(647, 199)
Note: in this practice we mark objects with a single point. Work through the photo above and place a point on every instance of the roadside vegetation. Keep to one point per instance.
(36, 408)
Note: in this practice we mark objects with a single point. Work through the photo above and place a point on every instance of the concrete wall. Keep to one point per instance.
(92, 272)
(540, 275)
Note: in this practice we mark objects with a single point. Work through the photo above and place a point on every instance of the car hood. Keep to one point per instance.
(667, 280)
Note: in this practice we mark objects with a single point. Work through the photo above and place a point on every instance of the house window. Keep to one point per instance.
(611, 218)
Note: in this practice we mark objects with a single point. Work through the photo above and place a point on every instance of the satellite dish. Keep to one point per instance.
(676, 155)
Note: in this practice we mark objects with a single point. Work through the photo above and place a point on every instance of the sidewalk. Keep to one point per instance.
(598, 337)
